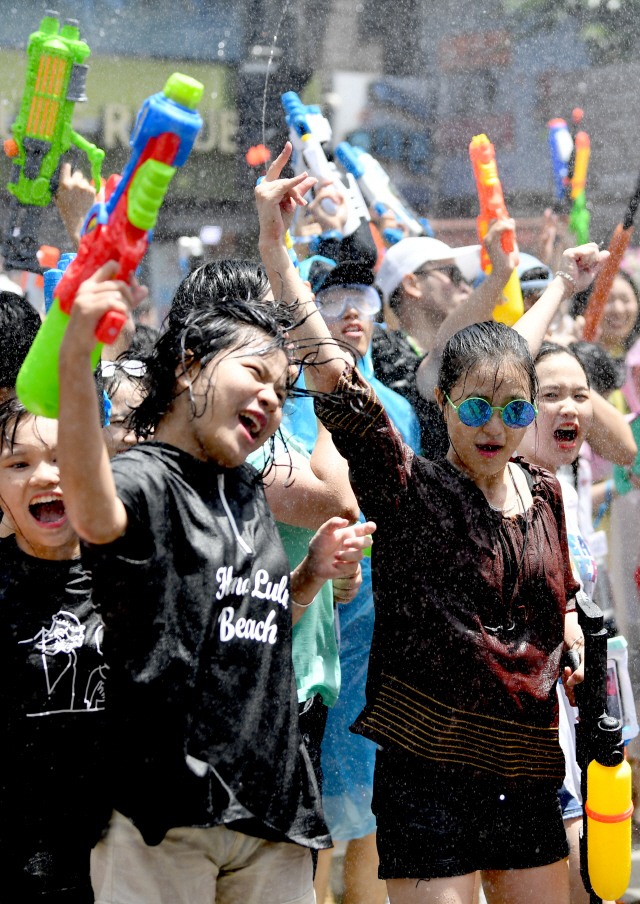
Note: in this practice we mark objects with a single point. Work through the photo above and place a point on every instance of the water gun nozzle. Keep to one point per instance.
(183, 90)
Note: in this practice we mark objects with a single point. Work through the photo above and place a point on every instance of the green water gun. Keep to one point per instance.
(42, 134)
(579, 217)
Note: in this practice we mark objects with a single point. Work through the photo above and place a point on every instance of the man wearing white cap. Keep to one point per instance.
(424, 281)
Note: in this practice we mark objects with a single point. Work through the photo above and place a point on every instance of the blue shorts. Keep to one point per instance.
(570, 805)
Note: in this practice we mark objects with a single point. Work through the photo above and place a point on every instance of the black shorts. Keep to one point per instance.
(312, 718)
(433, 826)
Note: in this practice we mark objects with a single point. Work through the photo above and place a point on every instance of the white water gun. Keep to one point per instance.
(377, 188)
(308, 130)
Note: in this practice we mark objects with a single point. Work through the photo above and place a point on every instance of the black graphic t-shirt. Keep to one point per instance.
(202, 699)
(52, 686)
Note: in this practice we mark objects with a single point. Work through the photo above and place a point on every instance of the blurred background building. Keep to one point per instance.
(411, 81)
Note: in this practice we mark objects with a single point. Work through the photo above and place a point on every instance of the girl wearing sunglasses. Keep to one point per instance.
(474, 597)
(348, 303)
(123, 385)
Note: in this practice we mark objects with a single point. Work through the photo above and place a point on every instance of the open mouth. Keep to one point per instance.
(251, 424)
(48, 510)
(566, 436)
(488, 449)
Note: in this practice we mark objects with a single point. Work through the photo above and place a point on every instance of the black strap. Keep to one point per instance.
(528, 476)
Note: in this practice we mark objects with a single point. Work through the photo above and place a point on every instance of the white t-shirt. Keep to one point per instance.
(577, 513)
(582, 546)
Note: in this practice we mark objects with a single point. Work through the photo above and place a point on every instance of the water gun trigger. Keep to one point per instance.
(109, 327)
(111, 185)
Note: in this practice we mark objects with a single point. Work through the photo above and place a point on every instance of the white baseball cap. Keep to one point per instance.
(409, 254)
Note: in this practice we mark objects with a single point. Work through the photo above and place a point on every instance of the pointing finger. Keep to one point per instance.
(279, 163)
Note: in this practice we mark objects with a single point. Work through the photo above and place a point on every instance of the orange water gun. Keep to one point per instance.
(492, 207)
(604, 280)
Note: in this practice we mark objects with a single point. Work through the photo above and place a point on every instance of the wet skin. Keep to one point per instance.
(238, 399)
(565, 413)
(30, 494)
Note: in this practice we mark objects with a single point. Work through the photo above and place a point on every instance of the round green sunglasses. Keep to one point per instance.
(477, 412)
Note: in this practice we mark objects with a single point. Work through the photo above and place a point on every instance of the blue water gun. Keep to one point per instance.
(560, 151)
(377, 188)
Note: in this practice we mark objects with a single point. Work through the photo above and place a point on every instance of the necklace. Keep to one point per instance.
(508, 508)
(496, 508)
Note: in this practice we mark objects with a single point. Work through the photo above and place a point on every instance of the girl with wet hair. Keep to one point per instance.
(194, 337)
(244, 280)
(303, 488)
(54, 798)
(474, 598)
(569, 412)
(212, 782)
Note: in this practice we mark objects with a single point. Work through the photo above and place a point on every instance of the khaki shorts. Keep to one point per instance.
(198, 866)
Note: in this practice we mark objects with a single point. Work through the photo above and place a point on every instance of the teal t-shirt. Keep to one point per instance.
(315, 649)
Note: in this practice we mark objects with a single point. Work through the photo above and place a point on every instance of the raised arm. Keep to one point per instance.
(95, 511)
(610, 436)
(335, 551)
(313, 491)
(74, 199)
(476, 308)
(277, 200)
(581, 264)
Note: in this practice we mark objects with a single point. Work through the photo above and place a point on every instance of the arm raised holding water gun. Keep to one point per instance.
(118, 230)
(617, 247)
(492, 207)
(308, 130)
(42, 134)
(377, 188)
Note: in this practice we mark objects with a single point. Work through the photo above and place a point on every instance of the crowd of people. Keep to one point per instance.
(301, 566)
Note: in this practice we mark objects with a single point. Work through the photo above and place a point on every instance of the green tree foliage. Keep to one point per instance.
(609, 28)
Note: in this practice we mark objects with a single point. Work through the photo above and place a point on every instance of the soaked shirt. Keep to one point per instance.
(466, 648)
(202, 697)
(54, 799)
